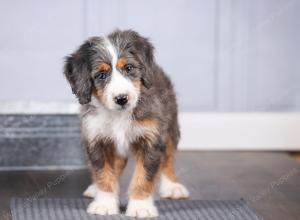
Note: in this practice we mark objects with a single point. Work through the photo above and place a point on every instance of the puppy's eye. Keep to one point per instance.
(128, 68)
(101, 75)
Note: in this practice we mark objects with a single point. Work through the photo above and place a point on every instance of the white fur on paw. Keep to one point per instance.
(104, 204)
(91, 191)
(172, 190)
(102, 208)
(141, 208)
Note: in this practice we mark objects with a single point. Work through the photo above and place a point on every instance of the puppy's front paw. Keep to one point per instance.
(103, 208)
(172, 190)
(105, 203)
(141, 208)
(91, 191)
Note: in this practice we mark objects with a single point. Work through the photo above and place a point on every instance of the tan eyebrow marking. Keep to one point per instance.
(104, 67)
(121, 63)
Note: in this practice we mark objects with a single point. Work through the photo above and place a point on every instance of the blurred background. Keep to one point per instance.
(235, 66)
(237, 55)
(241, 62)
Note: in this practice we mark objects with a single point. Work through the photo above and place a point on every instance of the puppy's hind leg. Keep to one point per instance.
(169, 187)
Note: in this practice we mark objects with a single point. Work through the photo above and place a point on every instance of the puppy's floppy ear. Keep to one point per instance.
(146, 81)
(144, 50)
(78, 72)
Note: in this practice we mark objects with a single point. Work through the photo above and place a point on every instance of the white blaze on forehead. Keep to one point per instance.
(107, 123)
(118, 84)
(112, 51)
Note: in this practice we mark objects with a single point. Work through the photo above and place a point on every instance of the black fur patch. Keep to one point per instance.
(99, 153)
(153, 155)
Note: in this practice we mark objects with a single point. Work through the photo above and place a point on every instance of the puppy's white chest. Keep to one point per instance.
(117, 126)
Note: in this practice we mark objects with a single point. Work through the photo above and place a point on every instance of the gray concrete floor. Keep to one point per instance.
(269, 182)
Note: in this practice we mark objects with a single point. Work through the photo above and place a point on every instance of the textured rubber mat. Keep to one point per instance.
(75, 209)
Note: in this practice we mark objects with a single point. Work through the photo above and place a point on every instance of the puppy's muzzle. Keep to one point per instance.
(121, 99)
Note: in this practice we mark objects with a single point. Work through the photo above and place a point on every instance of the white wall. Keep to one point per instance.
(222, 55)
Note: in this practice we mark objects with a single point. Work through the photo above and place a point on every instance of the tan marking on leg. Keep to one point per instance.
(140, 187)
(169, 187)
(106, 178)
(151, 129)
(167, 165)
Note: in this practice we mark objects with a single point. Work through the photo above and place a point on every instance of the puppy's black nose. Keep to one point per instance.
(121, 99)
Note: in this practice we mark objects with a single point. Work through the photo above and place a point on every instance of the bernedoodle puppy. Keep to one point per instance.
(128, 107)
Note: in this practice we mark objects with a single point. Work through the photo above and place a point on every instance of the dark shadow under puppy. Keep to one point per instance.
(128, 108)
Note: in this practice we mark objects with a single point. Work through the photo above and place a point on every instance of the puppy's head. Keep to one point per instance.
(114, 69)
